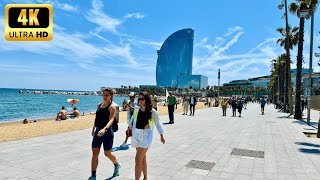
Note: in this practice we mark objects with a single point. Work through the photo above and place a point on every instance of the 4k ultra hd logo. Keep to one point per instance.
(28, 22)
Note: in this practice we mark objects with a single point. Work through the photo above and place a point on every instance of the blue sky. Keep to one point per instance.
(113, 42)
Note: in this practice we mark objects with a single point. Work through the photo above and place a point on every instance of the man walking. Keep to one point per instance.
(234, 106)
(262, 103)
(193, 103)
(171, 102)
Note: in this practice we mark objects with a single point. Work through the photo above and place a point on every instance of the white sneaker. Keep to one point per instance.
(123, 145)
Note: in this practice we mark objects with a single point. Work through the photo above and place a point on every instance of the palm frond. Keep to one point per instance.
(293, 8)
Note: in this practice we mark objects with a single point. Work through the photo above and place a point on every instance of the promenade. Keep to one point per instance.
(254, 146)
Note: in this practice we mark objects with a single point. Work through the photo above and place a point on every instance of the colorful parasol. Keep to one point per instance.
(73, 101)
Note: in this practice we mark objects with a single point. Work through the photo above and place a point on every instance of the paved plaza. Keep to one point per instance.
(255, 146)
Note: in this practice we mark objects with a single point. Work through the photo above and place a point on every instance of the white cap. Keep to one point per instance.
(131, 94)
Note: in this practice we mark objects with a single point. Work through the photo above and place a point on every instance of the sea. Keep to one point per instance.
(15, 106)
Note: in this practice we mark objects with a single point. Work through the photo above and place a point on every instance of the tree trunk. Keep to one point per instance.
(298, 113)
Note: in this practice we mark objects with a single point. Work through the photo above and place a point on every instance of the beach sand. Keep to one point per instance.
(18, 130)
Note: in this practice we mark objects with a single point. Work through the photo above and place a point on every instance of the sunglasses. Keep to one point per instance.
(141, 99)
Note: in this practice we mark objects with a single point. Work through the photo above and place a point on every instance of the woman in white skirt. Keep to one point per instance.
(144, 119)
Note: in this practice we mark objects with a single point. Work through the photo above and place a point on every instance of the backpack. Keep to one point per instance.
(115, 126)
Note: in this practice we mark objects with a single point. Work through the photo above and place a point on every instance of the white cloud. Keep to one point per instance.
(255, 62)
(216, 52)
(54, 3)
(124, 52)
(102, 20)
(134, 15)
(233, 30)
(73, 47)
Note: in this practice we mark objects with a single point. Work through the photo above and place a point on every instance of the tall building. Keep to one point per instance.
(174, 64)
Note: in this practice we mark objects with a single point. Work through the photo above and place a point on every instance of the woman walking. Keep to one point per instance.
(144, 119)
(102, 133)
(224, 105)
(185, 104)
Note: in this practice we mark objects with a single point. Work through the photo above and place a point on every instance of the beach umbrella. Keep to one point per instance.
(73, 101)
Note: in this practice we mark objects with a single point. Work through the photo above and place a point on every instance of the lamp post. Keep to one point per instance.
(304, 13)
(310, 66)
(218, 83)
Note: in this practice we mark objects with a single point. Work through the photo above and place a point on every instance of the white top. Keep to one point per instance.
(154, 100)
(156, 121)
(134, 104)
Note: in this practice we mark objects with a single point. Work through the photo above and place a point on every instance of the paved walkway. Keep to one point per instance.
(207, 136)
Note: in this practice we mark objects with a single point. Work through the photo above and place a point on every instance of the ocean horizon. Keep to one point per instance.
(15, 106)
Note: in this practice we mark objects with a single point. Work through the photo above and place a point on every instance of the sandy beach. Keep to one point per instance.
(18, 130)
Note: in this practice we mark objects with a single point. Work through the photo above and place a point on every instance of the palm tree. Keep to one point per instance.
(295, 8)
(293, 37)
(293, 41)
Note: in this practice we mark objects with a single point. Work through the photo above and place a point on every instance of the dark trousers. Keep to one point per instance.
(171, 110)
(192, 109)
(262, 108)
(234, 111)
(224, 110)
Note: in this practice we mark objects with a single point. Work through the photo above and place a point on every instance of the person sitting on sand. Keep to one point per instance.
(75, 113)
(62, 115)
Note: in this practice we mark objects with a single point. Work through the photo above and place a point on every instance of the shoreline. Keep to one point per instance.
(11, 131)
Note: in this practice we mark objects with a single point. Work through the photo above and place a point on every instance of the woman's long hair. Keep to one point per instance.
(148, 104)
(110, 91)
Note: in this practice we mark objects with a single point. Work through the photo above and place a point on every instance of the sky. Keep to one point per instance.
(114, 42)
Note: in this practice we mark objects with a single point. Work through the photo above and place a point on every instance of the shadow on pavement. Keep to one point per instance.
(302, 121)
(307, 144)
(310, 151)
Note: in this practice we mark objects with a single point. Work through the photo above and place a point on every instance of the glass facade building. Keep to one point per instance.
(194, 81)
(175, 60)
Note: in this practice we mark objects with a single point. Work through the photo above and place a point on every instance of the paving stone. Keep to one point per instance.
(49, 157)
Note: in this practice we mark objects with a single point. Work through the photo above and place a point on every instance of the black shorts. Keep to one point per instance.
(106, 139)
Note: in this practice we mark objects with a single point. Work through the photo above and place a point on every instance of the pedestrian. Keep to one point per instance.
(171, 103)
(154, 100)
(185, 104)
(240, 106)
(129, 106)
(234, 106)
(245, 103)
(193, 103)
(144, 119)
(306, 103)
(102, 133)
(262, 103)
(224, 105)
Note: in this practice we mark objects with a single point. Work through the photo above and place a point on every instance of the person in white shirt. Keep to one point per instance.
(185, 104)
(154, 100)
(144, 119)
(193, 103)
(129, 106)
